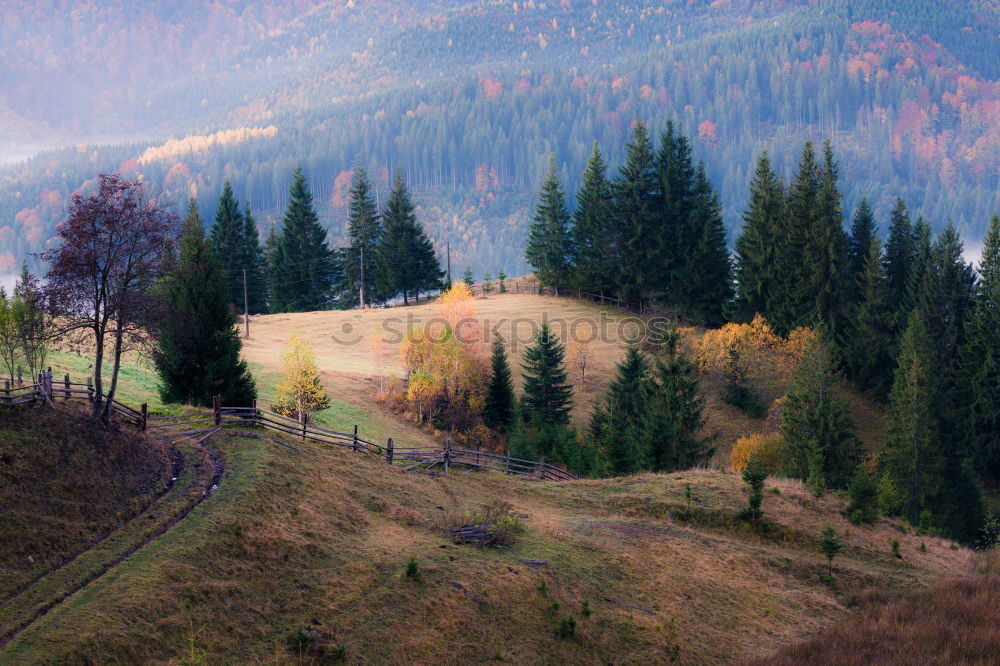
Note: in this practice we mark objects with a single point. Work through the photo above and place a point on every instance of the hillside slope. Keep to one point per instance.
(301, 555)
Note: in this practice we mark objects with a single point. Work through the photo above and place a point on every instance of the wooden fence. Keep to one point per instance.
(194, 424)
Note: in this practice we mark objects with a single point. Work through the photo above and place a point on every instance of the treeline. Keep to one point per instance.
(388, 255)
(913, 324)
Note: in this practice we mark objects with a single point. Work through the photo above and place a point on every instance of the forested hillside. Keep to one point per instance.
(470, 99)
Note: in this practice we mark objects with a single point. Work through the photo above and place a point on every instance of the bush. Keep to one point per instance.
(567, 627)
(754, 476)
(493, 524)
(895, 549)
(769, 448)
(864, 496)
(413, 570)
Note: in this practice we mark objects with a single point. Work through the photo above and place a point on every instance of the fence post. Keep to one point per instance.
(217, 409)
(354, 447)
(48, 383)
(447, 455)
(255, 412)
(144, 412)
(19, 381)
(541, 469)
(90, 389)
(388, 451)
(305, 422)
(66, 386)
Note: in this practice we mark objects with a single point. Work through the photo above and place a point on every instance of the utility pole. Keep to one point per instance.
(448, 250)
(362, 277)
(246, 307)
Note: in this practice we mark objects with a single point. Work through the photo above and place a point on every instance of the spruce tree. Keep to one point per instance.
(229, 243)
(707, 284)
(675, 233)
(980, 361)
(898, 262)
(302, 269)
(197, 354)
(863, 236)
(364, 228)
(255, 263)
(797, 302)
(549, 249)
(912, 459)
(815, 421)
(622, 434)
(467, 276)
(871, 351)
(547, 395)
(498, 410)
(634, 199)
(406, 261)
(675, 415)
(826, 255)
(758, 257)
(592, 229)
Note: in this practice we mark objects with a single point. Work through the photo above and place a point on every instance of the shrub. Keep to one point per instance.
(493, 524)
(864, 498)
(830, 544)
(769, 448)
(585, 609)
(413, 570)
(567, 627)
(754, 476)
(895, 549)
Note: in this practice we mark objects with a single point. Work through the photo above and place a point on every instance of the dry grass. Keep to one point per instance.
(65, 483)
(953, 622)
(351, 372)
(315, 544)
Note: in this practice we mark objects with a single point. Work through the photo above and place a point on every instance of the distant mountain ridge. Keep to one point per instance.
(470, 98)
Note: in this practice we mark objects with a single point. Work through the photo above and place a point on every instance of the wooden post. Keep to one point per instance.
(90, 389)
(19, 382)
(541, 469)
(447, 455)
(217, 408)
(305, 424)
(144, 412)
(255, 412)
(355, 446)
(66, 385)
(388, 451)
(48, 382)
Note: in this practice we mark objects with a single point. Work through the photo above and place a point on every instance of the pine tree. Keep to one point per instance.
(634, 198)
(547, 395)
(593, 248)
(405, 255)
(863, 493)
(912, 458)
(549, 249)
(815, 421)
(364, 227)
(498, 410)
(256, 264)
(621, 432)
(759, 283)
(675, 414)
(302, 268)
(898, 262)
(674, 232)
(797, 303)
(826, 255)
(980, 367)
(197, 353)
(229, 243)
(863, 236)
(707, 285)
(467, 276)
(871, 354)
(830, 545)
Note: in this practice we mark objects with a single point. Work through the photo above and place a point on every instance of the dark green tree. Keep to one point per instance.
(621, 431)
(863, 494)
(593, 243)
(197, 354)
(229, 241)
(758, 267)
(635, 196)
(980, 361)
(498, 410)
(707, 286)
(467, 276)
(898, 262)
(815, 421)
(549, 248)
(754, 476)
(871, 350)
(301, 269)
(361, 256)
(826, 255)
(406, 260)
(674, 232)
(255, 262)
(863, 236)
(830, 545)
(547, 395)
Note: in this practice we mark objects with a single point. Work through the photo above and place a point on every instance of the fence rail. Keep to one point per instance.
(196, 423)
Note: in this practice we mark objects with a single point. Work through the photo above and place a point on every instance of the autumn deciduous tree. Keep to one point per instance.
(108, 255)
(299, 391)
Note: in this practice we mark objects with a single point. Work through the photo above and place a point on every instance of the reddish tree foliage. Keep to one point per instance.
(110, 249)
